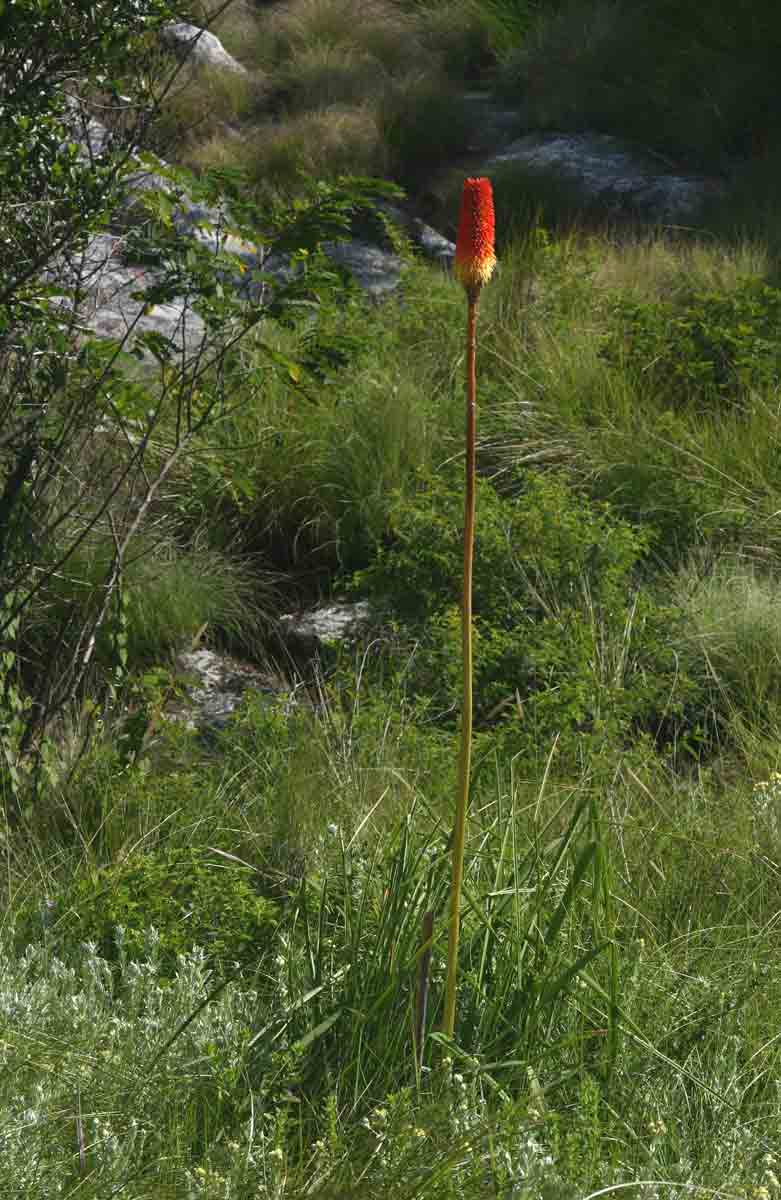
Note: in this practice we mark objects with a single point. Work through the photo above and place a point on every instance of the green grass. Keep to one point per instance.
(301, 1077)
(620, 995)
(695, 83)
(170, 595)
(342, 88)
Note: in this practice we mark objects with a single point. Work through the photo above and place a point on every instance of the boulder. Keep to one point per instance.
(215, 686)
(199, 46)
(619, 177)
(307, 634)
(130, 212)
(91, 137)
(432, 245)
(491, 123)
(375, 270)
(107, 307)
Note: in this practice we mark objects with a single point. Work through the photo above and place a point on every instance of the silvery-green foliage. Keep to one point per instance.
(80, 1059)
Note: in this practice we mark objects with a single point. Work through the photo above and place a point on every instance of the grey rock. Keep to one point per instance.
(215, 686)
(106, 305)
(201, 47)
(90, 136)
(621, 178)
(175, 321)
(491, 123)
(308, 633)
(130, 212)
(431, 244)
(210, 228)
(377, 271)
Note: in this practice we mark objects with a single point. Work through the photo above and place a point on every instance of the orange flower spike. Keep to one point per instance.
(475, 257)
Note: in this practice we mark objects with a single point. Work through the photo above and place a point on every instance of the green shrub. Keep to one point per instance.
(564, 641)
(714, 346)
(191, 897)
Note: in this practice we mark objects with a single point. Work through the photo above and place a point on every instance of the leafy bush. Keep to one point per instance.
(191, 897)
(564, 641)
(713, 346)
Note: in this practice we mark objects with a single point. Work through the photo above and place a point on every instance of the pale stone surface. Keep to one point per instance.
(619, 176)
(200, 46)
(216, 685)
(108, 307)
(309, 632)
(91, 137)
(431, 244)
(377, 271)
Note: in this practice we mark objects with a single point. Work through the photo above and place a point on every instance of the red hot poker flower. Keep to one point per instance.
(475, 257)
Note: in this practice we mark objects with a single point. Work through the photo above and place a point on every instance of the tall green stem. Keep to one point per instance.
(465, 753)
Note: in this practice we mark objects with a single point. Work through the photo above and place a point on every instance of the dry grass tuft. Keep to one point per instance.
(330, 141)
(203, 102)
(375, 26)
(323, 74)
(663, 269)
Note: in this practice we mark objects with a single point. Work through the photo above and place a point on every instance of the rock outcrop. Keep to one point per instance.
(199, 47)
(213, 686)
(307, 634)
(110, 289)
(621, 178)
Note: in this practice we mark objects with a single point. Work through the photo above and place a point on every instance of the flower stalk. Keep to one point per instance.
(474, 264)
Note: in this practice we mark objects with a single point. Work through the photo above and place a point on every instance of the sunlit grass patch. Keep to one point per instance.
(374, 26)
(200, 105)
(734, 618)
(321, 143)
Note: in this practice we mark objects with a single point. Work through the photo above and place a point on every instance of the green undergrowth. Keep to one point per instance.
(617, 966)
(335, 87)
(212, 942)
(693, 82)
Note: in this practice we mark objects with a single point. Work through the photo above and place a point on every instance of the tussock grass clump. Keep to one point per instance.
(377, 27)
(169, 594)
(327, 455)
(688, 460)
(734, 619)
(322, 74)
(200, 105)
(322, 143)
(346, 88)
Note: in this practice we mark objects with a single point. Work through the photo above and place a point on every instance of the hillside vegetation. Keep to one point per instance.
(210, 946)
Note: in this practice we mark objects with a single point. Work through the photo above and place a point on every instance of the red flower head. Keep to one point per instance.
(475, 257)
